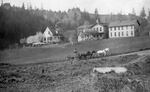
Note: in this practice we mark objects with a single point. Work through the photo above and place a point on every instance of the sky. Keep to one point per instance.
(103, 6)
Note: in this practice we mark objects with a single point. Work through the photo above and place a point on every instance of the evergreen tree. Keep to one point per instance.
(148, 18)
(119, 16)
(96, 13)
(23, 7)
(133, 12)
(85, 15)
(143, 14)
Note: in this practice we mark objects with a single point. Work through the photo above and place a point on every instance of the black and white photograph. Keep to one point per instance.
(74, 45)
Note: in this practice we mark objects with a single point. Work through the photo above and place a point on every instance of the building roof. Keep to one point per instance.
(53, 31)
(90, 26)
(103, 24)
(123, 23)
(90, 33)
(85, 26)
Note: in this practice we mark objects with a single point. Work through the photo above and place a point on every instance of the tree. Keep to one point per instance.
(132, 15)
(76, 19)
(23, 7)
(148, 18)
(143, 14)
(73, 37)
(120, 16)
(133, 12)
(96, 13)
(85, 16)
(86, 22)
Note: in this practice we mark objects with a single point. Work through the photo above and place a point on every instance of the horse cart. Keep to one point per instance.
(89, 54)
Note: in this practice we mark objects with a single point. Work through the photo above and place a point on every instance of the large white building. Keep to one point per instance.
(123, 29)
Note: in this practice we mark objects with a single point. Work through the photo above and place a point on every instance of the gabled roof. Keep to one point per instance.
(85, 26)
(90, 26)
(103, 24)
(53, 31)
(123, 23)
(90, 33)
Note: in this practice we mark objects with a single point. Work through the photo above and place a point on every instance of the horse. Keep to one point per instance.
(104, 52)
(107, 50)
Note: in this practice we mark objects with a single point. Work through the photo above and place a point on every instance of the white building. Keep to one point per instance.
(48, 35)
(51, 36)
(123, 29)
(92, 32)
(101, 28)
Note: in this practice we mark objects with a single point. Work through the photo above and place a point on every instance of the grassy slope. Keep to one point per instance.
(35, 55)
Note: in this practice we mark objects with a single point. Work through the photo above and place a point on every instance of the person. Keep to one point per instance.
(75, 53)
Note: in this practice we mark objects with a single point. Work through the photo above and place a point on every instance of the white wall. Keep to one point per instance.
(48, 33)
(124, 31)
(99, 27)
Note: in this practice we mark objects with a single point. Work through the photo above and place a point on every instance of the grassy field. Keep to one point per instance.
(40, 54)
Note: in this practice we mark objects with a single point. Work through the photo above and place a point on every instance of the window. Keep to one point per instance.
(132, 27)
(118, 28)
(97, 29)
(114, 28)
(100, 29)
(111, 34)
(49, 32)
(131, 33)
(127, 33)
(44, 39)
(49, 38)
(122, 27)
(115, 34)
(119, 34)
(126, 27)
(122, 33)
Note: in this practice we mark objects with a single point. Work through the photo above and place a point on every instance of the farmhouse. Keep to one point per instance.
(123, 28)
(51, 36)
(92, 32)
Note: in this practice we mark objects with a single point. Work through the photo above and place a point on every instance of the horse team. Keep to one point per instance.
(91, 54)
